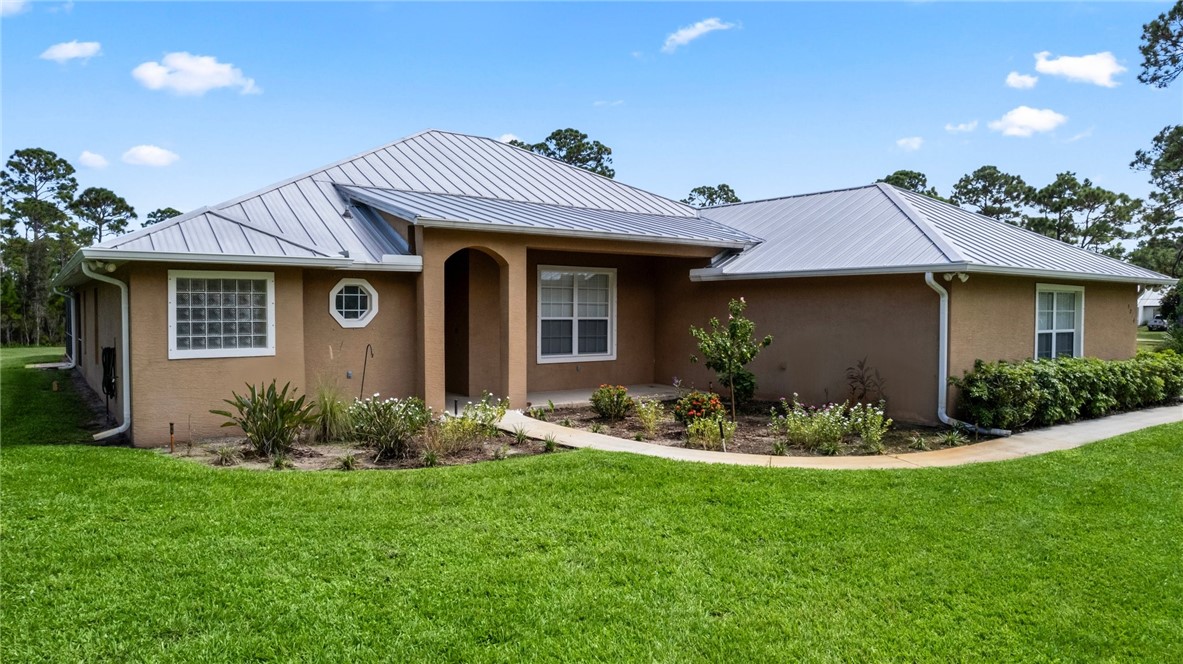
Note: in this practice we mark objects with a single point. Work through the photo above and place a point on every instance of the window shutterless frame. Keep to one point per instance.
(1077, 328)
(575, 355)
(353, 292)
(267, 328)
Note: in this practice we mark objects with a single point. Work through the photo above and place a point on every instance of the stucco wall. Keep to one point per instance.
(98, 328)
(820, 327)
(330, 351)
(636, 305)
(184, 391)
(993, 318)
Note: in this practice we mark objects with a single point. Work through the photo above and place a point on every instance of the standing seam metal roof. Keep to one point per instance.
(306, 213)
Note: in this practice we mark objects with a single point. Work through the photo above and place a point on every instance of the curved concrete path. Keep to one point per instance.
(1041, 441)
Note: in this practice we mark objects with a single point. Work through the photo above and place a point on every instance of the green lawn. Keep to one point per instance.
(113, 554)
(1148, 340)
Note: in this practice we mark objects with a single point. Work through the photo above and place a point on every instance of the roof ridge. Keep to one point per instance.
(1026, 231)
(308, 174)
(560, 161)
(514, 200)
(147, 230)
(279, 236)
(781, 198)
(920, 220)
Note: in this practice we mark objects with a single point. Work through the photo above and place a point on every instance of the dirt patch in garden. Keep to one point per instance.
(329, 456)
(752, 435)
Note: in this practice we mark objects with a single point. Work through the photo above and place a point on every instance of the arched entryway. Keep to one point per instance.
(474, 324)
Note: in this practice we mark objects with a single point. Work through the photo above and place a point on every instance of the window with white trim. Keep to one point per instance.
(576, 314)
(1059, 321)
(220, 314)
(353, 302)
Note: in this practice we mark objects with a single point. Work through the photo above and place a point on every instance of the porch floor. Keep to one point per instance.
(577, 397)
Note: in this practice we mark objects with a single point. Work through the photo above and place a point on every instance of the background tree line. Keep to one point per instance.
(44, 219)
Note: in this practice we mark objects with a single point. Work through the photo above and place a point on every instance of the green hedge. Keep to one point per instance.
(1008, 395)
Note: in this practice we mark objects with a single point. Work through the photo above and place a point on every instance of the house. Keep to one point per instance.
(1149, 305)
(447, 263)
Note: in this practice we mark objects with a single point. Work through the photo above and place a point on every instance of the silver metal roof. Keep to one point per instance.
(205, 231)
(307, 213)
(878, 229)
(515, 216)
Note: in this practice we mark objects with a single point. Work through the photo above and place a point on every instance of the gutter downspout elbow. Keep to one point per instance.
(943, 366)
(73, 330)
(125, 329)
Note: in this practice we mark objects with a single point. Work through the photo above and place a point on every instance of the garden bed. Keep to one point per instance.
(753, 434)
(328, 456)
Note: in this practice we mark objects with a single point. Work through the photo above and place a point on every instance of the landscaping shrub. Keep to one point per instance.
(389, 425)
(815, 429)
(333, 422)
(871, 423)
(611, 401)
(1008, 395)
(711, 433)
(694, 405)
(271, 419)
(473, 426)
(649, 413)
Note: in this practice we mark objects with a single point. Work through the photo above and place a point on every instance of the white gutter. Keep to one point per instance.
(943, 366)
(125, 329)
(73, 350)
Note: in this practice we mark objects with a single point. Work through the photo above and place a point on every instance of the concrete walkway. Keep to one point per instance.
(1041, 441)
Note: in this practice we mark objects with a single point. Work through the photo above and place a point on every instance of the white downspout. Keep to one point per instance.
(73, 330)
(943, 366)
(125, 328)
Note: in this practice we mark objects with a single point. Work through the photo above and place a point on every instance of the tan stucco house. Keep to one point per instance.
(446, 263)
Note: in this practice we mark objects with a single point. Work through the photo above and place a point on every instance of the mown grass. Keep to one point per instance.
(1148, 340)
(126, 555)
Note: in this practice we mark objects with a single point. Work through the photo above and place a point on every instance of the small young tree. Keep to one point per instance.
(728, 349)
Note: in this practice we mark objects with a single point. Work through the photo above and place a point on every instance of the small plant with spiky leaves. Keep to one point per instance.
(271, 418)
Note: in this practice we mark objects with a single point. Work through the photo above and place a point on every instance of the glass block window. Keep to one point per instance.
(1059, 317)
(353, 302)
(576, 313)
(214, 314)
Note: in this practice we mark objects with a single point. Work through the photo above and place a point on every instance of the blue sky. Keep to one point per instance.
(777, 99)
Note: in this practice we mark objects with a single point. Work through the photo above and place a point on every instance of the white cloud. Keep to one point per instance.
(13, 7)
(961, 128)
(72, 50)
(615, 102)
(1020, 81)
(1025, 121)
(691, 32)
(187, 74)
(92, 160)
(505, 138)
(150, 155)
(911, 143)
(1098, 68)
(1082, 135)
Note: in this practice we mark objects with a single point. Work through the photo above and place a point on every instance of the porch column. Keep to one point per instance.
(514, 324)
(430, 360)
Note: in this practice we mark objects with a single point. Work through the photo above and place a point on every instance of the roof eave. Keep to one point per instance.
(717, 274)
(65, 275)
(488, 227)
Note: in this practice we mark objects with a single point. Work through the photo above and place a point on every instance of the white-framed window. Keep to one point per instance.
(220, 314)
(353, 302)
(576, 314)
(1059, 321)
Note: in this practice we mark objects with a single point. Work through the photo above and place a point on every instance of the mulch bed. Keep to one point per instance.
(752, 436)
(327, 456)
